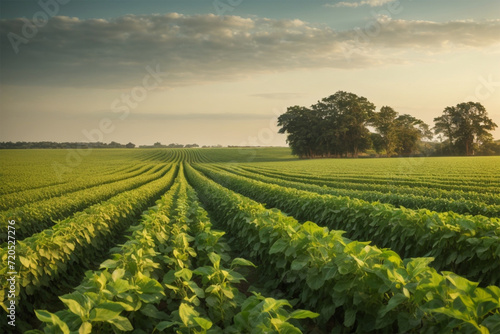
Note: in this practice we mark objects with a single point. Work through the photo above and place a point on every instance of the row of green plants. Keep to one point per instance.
(159, 156)
(86, 180)
(47, 259)
(35, 217)
(467, 245)
(187, 154)
(19, 175)
(196, 156)
(480, 196)
(24, 170)
(350, 283)
(173, 275)
(405, 200)
(408, 177)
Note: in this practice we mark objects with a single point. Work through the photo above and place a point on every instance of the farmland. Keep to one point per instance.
(248, 240)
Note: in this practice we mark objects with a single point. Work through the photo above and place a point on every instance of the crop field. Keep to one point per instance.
(247, 240)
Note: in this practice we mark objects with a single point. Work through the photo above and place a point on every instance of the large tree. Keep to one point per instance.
(301, 124)
(385, 123)
(409, 132)
(465, 126)
(345, 116)
(399, 133)
(335, 126)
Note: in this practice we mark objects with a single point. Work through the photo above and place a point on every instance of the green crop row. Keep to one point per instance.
(35, 217)
(84, 182)
(386, 187)
(152, 283)
(23, 170)
(421, 179)
(351, 282)
(405, 200)
(50, 256)
(125, 282)
(468, 245)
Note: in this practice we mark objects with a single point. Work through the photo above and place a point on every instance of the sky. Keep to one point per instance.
(221, 71)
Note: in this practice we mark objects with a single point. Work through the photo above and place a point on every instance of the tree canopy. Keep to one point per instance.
(337, 126)
(465, 126)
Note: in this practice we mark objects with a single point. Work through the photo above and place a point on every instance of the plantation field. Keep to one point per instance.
(247, 240)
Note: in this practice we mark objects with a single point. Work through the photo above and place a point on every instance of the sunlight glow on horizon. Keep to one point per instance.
(183, 78)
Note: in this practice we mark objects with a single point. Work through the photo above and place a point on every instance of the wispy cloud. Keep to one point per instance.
(354, 4)
(196, 49)
(433, 36)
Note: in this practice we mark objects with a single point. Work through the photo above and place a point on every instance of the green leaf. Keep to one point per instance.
(272, 304)
(212, 301)
(85, 328)
(185, 274)
(121, 323)
(109, 264)
(393, 303)
(169, 277)
(151, 291)
(213, 288)
(76, 303)
(453, 313)
(228, 293)
(44, 316)
(102, 280)
(151, 311)
(187, 313)
(24, 261)
(165, 324)
(105, 312)
(300, 262)
(406, 322)
(121, 286)
(461, 283)
(197, 290)
(242, 262)
(302, 314)
(315, 281)
(349, 317)
(214, 258)
(117, 274)
(204, 323)
(53, 319)
(278, 247)
(492, 323)
(204, 271)
(467, 225)
(235, 277)
(329, 271)
(285, 327)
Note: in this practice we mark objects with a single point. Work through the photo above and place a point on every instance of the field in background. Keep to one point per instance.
(168, 236)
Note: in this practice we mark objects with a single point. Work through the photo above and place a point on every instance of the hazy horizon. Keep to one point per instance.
(211, 73)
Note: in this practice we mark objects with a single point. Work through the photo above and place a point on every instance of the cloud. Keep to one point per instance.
(354, 4)
(432, 36)
(196, 49)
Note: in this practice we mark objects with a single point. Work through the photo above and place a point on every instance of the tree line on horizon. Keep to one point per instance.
(61, 145)
(82, 145)
(339, 126)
